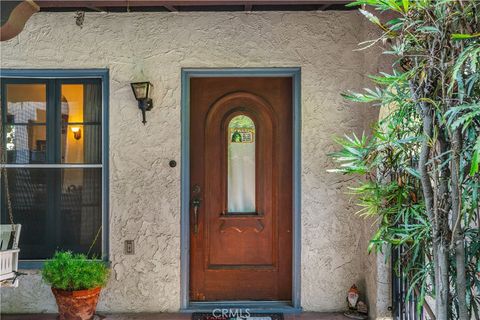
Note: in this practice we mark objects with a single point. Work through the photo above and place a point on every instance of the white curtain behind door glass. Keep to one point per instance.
(241, 165)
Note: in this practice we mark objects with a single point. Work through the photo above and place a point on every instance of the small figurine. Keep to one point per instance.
(352, 297)
(356, 309)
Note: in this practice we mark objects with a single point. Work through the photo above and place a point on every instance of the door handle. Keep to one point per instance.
(196, 204)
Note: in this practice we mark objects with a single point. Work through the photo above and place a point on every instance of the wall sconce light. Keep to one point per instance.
(142, 91)
(77, 132)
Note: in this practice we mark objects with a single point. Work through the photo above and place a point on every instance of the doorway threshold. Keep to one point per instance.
(251, 306)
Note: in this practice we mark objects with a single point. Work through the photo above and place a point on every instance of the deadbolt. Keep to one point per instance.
(196, 188)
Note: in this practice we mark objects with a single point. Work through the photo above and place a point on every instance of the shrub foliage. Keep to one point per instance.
(68, 271)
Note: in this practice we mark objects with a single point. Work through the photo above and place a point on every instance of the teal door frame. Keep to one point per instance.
(254, 306)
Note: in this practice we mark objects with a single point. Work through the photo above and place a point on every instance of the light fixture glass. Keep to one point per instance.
(142, 90)
(77, 132)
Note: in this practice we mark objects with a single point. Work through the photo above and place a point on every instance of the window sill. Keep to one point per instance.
(38, 264)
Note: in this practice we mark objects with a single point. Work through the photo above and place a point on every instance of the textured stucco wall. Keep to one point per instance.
(145, 191)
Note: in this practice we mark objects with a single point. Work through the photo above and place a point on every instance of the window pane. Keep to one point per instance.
(26, 143)
(81, 210)
(81, 135)
(26, 103)
(241, 165)
(58, 209)
(81, 103)
(28, 195)
(81, 144)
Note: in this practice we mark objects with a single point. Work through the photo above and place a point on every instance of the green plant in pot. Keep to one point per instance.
(76, 283)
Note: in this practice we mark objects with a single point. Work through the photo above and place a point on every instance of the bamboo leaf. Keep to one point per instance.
(475, 163)
(372, 18)
(413, 172)
(429, 29)
(461, 36)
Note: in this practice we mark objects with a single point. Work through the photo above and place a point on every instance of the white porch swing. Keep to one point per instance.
(9, 233)
(9, 251)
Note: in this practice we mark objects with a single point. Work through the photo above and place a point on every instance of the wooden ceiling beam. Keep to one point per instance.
(175, 3)
(95, 9)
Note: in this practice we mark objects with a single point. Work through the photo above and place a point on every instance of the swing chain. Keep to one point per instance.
(3, 160)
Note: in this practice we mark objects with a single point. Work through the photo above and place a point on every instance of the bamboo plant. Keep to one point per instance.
(420, 167)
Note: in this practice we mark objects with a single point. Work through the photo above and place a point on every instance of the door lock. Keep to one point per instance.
(196, 189)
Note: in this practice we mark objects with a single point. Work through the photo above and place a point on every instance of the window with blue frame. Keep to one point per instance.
(52, 133)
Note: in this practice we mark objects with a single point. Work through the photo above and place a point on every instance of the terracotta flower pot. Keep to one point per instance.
(76, 305)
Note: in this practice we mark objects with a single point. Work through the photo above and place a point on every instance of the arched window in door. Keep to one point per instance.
(241, 165)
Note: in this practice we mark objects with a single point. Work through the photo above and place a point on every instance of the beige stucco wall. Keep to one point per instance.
(145, 191)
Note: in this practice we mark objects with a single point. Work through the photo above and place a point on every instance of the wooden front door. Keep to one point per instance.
(241, 188)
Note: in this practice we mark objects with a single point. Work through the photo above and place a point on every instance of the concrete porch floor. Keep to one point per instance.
(169, 316)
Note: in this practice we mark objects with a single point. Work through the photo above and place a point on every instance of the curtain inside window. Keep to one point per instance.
(91, 202)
